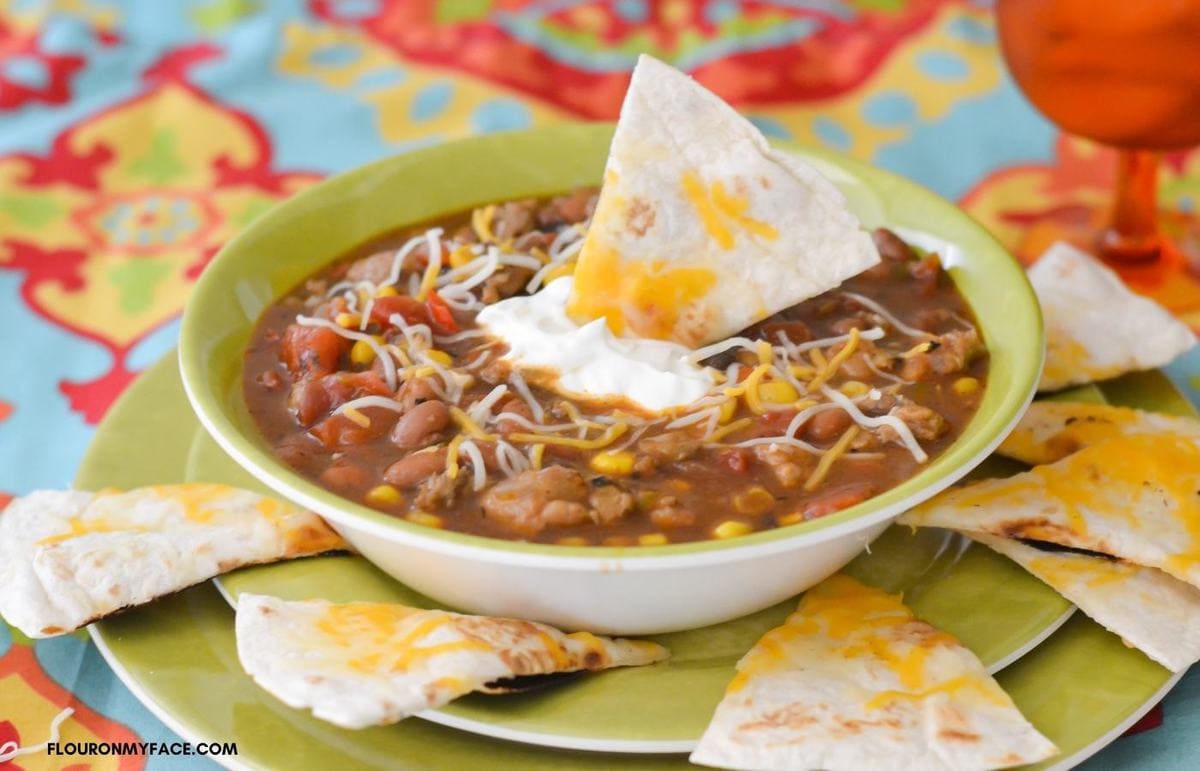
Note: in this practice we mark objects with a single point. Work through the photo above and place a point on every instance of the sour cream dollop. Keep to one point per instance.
(590, 359)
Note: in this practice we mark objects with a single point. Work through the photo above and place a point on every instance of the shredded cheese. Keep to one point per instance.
(480, 470)
(452, 456)
(389, 367)
(613, 433)
(463, 420)
(827, 460)
(896, 424)
(708, 351)
(428, 281)
(481, 223)
(522, 388)
(835, 362)
(728, 429)
(875, 307)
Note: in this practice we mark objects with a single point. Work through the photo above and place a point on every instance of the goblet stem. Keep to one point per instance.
(1132, 234)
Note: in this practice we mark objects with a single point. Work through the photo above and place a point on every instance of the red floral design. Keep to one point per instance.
(843, 50)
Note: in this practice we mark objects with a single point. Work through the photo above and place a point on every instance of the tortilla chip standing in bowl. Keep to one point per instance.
(702, 228)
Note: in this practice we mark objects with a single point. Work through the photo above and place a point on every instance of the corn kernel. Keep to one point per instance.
(728, 410)
(572, 540)
(387, 291)
(424, 518)
(965, 385)
(679, 485)
(347, 320)
(361, 353)
(384, 495)
(613, 463)
(790, 519)
(731, 529)
(441, 357)
(754, 501)
(646, 499)
(854, 388)
(461, 256)
(778, 392)
(653, 539)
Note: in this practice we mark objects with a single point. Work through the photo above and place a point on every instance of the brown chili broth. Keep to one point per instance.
(712, 482)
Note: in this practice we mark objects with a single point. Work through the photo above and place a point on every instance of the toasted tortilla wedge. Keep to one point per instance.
(702, 228)
(853, 680)
(1095, 327)
(1050, 431)
(364, 664)
(1136, 498)
(1155, 613)
(70, 558)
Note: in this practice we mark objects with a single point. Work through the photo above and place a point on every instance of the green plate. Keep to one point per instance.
(1081, 687)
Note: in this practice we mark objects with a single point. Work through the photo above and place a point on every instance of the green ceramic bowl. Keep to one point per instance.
(619, 590)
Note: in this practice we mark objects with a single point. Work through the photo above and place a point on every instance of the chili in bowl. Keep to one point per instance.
(325, 376)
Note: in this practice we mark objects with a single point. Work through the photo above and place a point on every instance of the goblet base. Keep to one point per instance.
(1170, 275)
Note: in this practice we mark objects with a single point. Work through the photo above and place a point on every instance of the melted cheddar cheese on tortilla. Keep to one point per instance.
(1153, 612)
(1050, 431)
(702, 228)
(1133, 497)
(1096, 328)
(854, 680)
(70, 558)
(363, 664)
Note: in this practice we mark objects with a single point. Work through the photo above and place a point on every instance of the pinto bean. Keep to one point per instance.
(421, 424)
(411, 470)
(344, 478)
(827, 425)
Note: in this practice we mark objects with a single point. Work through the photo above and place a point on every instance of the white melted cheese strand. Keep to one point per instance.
(477, 468)
(895, 423)
(522, 388)
(887, 315)
(589, 359)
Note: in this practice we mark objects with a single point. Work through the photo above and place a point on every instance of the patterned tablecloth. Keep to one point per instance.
(136, 137)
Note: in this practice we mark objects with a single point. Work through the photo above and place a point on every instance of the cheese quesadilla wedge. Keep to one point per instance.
(363, 664)
(1096, 328)
(1153, 612)
(854, 680)
(70, 558)
(702, 228)
(1050, 431)
(1136, 498)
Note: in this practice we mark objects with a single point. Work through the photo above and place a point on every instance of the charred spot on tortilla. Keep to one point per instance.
(1051, 547)
(529, 683)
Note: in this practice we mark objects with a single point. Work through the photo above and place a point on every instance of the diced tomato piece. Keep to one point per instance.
(311, 352)
(344, 386)
(411, 310)
(441, 315)
(340, 431)
(836, 500)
